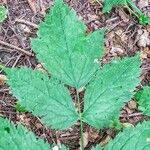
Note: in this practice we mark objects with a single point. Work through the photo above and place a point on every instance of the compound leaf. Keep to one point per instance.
(112, 86)
(108, 4)
(19, 138)
(137, 138)
(64, 48)
(143, 99)
(45, 97)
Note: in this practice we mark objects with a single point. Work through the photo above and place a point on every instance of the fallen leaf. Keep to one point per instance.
(144, 39)
(85, 139)
(24, 120)
(127, 125)
(23, 28)
(123, 15)
(116, 51)
(2, 79)
(38, 125)
(39, 67)
(148, 28)
(93, 134)
(106, 140)
(143, 3)
(2, 2)
(132, 104)
(128, 110)
(32, 4)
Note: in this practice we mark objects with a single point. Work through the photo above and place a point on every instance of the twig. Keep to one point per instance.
(27, 23)
(17, 48)
(135, 114)
(68, 137)
(15, 63)
(32, 5)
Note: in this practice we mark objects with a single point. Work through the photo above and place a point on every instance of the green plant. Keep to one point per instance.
(71, 58)
(137, 138)
(19, 138)
(3, 13)
(143, 99)
(143, 19)
(97, 147)
(20, 108)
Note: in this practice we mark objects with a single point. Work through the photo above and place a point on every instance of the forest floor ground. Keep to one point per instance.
(124, 36)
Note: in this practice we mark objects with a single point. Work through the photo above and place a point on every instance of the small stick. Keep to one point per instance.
(132, 115)
(17, 48)
(27, 23)
(135, 114)
(15, 63)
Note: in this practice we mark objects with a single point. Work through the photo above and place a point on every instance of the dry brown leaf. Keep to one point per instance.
(24, 120)
(97, 1)
(93, 134)
(127, 125)
(32, 4)
(148, 28)
(132, 104)
(116, 50)
(145, 53)
(38, 125)
(39, 67)
(143, 38)
(55, 147)
(128, 110)
(143, 3)
(2, 1)
(123, 15)
(37, 6)
(106, 140)
(85, 139)
(2, 79)
(23, 28)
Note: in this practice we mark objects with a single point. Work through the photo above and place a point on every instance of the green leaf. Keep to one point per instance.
(19, 138)
(143, 99)
(143, 19)
(112, 87)
(108, 4)
(3, 13)
(20, 108)
(63, 147)
(137, 138)
(97, 147)
(45, 97)
(64, 48)
(116, 124)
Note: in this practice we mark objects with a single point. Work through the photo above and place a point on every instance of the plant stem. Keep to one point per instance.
(1, 67)
(134, 7)
(80, 118)
(130, 10)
